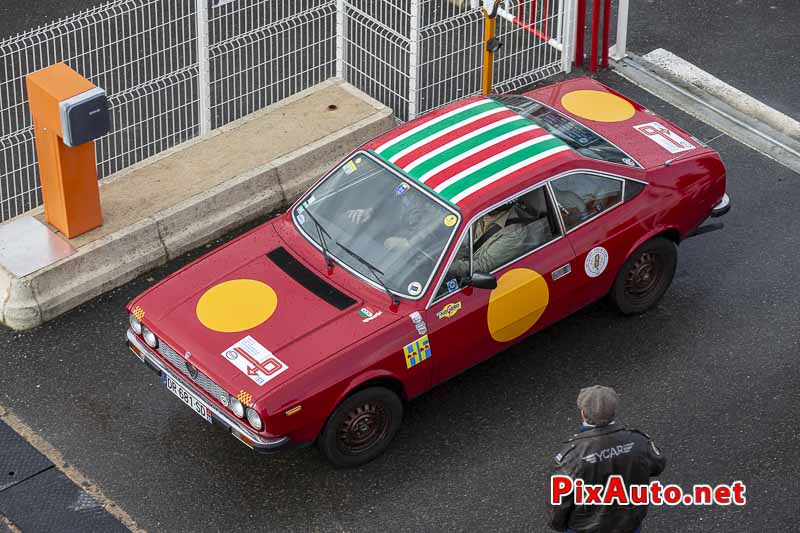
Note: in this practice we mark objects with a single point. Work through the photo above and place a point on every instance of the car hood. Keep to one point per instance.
(251, 315)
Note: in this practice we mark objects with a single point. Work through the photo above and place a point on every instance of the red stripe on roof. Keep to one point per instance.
(411, 124)
(475, 159)
(409, 158)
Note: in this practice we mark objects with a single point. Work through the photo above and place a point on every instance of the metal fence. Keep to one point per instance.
(177, 69)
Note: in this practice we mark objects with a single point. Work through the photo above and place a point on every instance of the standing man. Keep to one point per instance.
(604, 447)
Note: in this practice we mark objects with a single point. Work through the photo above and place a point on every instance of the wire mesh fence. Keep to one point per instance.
(176, 69)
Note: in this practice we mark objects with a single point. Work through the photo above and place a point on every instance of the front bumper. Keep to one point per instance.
(252, 440)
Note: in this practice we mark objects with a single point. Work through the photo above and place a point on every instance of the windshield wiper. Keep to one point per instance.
(375, 272)
(322, 242)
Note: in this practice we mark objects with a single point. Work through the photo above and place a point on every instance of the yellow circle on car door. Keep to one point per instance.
(518, 302)
(598, 106)
(236, 305)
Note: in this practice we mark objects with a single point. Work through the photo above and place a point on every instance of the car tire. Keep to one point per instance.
(645, 276)
(361, 427)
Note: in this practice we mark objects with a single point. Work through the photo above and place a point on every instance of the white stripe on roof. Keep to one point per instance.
(489, 161)
(424, 125)
(433, 153)
(510, 170)
(469, 153)
(445, 131)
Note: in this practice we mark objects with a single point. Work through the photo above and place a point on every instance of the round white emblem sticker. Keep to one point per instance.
(414, 288)
(596, 262)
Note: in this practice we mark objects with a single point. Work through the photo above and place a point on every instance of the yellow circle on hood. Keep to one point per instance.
(598, 105)
(518, 302)
(236, 305)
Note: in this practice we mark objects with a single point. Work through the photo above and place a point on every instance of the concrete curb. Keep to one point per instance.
(119, 257)
(693, 76)
(738, 115)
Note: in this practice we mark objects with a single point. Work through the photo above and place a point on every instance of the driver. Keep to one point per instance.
(499, 237)
(410, 215)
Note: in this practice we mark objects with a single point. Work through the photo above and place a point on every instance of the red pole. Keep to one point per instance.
(595, 29)
(531, 29)
(581, 29)
(533, 12)
(606, 24)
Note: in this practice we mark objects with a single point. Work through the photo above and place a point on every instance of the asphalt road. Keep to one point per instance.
(750, 45)
(712, 374)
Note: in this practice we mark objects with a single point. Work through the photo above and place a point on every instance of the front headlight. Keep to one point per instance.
(254, 419)
(237, 407)
(136, 326)
(150, 338)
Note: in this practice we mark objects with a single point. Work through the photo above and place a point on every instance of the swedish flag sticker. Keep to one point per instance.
(417, 351)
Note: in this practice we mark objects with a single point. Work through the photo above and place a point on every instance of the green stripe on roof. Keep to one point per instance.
(498, 166)
(464, 146)
(425, 132)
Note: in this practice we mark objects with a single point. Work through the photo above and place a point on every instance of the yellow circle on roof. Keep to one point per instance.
(598, 105)
(236, 305)
(518, 302)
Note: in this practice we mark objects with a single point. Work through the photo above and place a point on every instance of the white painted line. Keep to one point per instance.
(697, 77)
(43, 447)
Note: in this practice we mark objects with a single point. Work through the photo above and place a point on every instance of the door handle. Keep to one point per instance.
(561, 272)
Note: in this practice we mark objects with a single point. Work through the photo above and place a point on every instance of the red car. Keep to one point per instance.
(428, 250)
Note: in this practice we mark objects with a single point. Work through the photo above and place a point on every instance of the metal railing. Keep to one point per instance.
(177, 69)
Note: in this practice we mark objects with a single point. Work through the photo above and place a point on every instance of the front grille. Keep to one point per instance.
(202, 381)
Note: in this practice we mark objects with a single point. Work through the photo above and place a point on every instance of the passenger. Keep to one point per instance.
(499, 237)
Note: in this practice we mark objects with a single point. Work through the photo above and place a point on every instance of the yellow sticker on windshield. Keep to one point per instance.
(450, 220)
(350, 167)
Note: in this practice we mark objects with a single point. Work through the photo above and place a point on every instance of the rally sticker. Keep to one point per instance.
(452, 285)
(350, 167)
(417, 352)
(402, 189)
(414, 288)
(666, 138)
(419, 322)
(449, 310)
(596, 261)
(368, 314)
(254, 360)
(450, 220)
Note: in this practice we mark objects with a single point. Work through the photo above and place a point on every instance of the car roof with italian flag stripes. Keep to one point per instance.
(473, 152)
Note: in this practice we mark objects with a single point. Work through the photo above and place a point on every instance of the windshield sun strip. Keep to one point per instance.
(453, 209)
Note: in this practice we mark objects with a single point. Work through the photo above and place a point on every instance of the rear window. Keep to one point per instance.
(574, 134)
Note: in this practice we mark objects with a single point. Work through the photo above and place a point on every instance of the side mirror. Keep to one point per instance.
(481, 280)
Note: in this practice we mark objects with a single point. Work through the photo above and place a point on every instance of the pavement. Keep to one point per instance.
(711, 374)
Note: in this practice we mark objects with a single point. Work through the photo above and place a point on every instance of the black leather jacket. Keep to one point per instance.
(593, 456)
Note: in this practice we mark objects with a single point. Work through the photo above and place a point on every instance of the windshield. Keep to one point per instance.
(580, 138)
(378, 224)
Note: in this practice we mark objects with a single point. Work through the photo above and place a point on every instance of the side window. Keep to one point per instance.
(459, 269)
(512, 230)
(583, 196)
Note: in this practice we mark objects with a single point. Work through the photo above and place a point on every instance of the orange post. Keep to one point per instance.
(488, 57)
(69, 174)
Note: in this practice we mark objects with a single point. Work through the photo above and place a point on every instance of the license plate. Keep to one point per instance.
(187, 397)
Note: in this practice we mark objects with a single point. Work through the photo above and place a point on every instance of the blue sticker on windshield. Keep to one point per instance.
(402, 189)
(452, 285)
